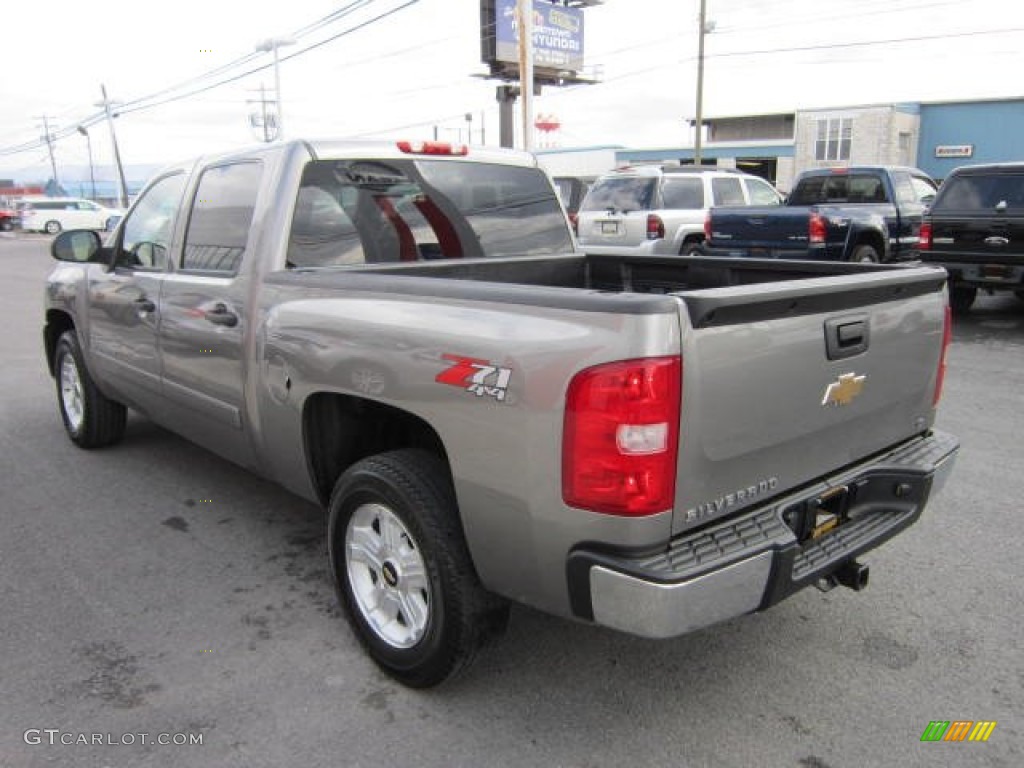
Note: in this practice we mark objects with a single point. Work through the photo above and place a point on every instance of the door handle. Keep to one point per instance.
(221, 315)
(142, 304)
(847, 336)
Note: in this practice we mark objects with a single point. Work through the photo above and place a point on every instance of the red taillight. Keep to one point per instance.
(432, 148)
(947, 336)
(574, 220)
(925, 237)
(655, 227)
(621, 437)
(816, 229)
(707, 227)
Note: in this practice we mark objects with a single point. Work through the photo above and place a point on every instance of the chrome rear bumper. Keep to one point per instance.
(755, 559)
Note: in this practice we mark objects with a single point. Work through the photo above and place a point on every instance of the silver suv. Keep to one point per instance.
(661, 209)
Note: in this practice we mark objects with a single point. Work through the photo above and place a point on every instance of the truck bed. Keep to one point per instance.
(631, 283)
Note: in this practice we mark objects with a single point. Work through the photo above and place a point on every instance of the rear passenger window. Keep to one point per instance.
(222, 211)
(683, 194)
(727, 192)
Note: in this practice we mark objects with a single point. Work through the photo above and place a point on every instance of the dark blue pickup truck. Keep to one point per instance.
(861, 213)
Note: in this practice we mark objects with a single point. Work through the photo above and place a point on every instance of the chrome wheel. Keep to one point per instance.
(388, 575)
(71, 397)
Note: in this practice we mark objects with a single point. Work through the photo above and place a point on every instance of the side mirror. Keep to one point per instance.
(77, 245)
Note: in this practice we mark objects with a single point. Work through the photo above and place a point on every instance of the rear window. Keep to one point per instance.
(621, 194)
(981, 193)
(840, 188)
(377, 211)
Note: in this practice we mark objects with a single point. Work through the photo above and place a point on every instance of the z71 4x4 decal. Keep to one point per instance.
(477, 376)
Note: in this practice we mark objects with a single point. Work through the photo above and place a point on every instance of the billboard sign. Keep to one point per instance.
(557, 35)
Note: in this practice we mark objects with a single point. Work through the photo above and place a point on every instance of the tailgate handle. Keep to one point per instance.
(846, 336)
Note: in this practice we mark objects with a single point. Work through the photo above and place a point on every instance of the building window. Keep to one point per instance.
(835, 135)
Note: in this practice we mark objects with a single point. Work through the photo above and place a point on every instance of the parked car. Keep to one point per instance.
(975, 229)
(857, 213)
(8, 219)
(53, 214)
(661, 209)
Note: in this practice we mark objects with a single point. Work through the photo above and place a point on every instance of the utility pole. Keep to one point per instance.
(123, 187)
(272, 44)
(48, 138)
(702, 21)
(525, 10)
(267, 123)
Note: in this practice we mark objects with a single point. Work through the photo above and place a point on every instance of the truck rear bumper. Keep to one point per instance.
(763, 555)
(985, 275)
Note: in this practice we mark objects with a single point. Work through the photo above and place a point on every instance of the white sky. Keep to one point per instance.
(401, 76)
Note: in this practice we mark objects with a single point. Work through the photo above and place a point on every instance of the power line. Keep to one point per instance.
(147, 102)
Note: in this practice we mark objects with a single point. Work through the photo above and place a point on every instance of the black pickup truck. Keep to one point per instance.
(975, 229)
(863, 213)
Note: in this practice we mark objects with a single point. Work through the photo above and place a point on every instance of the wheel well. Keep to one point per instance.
(874, 240)
(339, 430)
(694, 238)
(57, 322)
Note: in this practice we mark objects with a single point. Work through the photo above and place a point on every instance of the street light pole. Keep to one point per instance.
(272, 44)
(92, 173)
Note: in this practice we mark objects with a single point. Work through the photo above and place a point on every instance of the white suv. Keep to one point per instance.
(661, 209)
(52, 214)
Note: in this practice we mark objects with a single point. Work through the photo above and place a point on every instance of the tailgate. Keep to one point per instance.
(786, 382)
(753, 228)
(996, 239)
(612, 227)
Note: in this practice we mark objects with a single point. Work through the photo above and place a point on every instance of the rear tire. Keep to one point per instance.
(52, 227)
(91, 419)
(403, 571)
(961, 297)
(865, 254)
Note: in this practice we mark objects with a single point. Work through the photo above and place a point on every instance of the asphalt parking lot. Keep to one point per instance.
(153, 592)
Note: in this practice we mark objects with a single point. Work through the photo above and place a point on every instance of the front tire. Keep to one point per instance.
(52, 227)
(402, 569)
(91, 419)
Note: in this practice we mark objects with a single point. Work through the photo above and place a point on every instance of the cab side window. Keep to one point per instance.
(222, 211)
(147, 232)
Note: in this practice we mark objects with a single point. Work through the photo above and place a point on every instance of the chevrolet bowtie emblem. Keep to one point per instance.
(842, 391)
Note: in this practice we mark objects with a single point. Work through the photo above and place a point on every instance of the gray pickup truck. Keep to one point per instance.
(407, 334)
